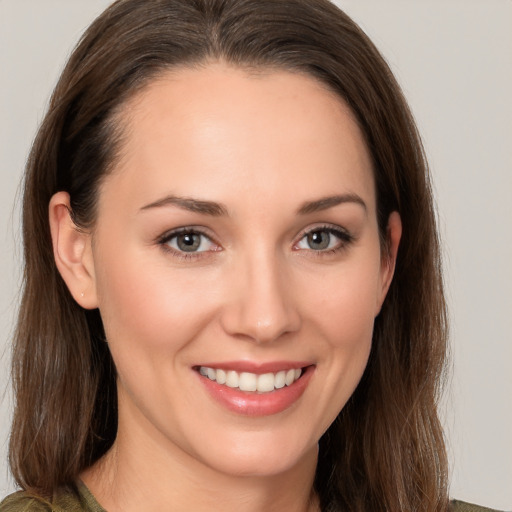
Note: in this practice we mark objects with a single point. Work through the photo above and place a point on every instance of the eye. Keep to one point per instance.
(188, 241)
(324, 239)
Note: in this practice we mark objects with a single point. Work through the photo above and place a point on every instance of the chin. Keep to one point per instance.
(257, 459)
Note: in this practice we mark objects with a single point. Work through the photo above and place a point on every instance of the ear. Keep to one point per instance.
(388, 259)
(72, 251)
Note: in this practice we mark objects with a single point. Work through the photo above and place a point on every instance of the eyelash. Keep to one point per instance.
(345, 239)
(164, 240)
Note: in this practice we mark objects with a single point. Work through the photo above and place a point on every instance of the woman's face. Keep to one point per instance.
(237, 237)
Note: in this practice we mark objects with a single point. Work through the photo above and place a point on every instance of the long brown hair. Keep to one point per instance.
(385, 451)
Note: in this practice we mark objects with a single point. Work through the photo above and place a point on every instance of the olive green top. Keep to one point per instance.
(84, 501)
(64, 501)
(462, 506)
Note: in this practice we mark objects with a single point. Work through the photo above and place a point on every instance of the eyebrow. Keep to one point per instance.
(193, 205)
(215, 209)
(325, 203)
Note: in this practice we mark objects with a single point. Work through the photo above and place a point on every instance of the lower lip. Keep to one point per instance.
(258, 404)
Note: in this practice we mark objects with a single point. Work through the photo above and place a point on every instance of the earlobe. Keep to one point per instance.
(72, 252)
(393, 235)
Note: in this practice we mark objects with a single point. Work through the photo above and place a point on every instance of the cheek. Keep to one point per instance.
(147, 308)
(345, 303)
(348, 328)
(343, 313)
(338, 333)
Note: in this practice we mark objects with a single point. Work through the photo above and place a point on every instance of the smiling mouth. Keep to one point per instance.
(252, 382)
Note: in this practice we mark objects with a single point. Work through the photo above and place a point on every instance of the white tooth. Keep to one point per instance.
(232, 379)
(247, 382)
(265, 382)
(221, 376)
(279, 380)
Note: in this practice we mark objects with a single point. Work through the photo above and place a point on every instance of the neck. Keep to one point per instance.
(144, 472)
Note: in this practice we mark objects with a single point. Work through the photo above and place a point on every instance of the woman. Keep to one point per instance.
(235, 300)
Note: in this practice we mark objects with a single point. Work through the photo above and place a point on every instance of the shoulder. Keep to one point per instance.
(22, 501)
(63, 501)
(462, 506)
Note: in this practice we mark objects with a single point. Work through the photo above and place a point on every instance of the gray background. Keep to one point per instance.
(454, 61)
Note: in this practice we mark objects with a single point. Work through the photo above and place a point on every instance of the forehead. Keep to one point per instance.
(267, 131)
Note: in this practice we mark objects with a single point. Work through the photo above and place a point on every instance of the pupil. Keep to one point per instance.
(189, 242)
(318, 240)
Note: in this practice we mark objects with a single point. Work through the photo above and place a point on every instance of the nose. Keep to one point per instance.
(262, 306)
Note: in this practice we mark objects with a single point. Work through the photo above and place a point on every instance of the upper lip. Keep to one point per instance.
(256, 367)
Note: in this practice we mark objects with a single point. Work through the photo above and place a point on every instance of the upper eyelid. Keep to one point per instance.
(345, 237)
(167, 235)
(164, 239)
(326, 227)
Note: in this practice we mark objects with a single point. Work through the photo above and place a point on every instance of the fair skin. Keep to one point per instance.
(276, 265)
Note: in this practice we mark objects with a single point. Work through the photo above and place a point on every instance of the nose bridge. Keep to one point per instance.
(262, 307)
